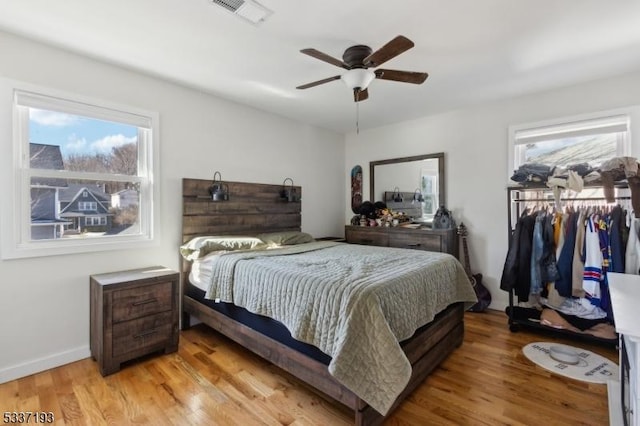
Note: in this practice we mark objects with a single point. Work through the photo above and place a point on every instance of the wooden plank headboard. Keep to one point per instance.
(252, 208)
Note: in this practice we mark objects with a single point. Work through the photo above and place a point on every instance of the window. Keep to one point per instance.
(87, 205)
(72, 158)
(588, 139)
(95, 221)
(429, 189)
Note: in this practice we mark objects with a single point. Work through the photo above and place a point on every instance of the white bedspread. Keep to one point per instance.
(353, 302)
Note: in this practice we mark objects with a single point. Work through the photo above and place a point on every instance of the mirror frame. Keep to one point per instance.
(441, 182)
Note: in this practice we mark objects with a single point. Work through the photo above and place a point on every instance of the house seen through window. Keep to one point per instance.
(86, 172)
(68, 207)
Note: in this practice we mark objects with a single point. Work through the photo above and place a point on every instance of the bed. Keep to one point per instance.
(320, 354)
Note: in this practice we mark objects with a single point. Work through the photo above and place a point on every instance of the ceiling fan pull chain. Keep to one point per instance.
(357, 118)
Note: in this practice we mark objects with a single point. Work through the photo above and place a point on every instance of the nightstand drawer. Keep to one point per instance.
(136, 302)
(140, 333)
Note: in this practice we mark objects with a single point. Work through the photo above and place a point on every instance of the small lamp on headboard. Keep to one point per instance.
(288, 193)
(397, 195)
(417, 196)
(219, 191)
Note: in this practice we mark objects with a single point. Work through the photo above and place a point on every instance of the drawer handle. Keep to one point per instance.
(145, 302)
(366, 241)
(145, 333)
(414, 245)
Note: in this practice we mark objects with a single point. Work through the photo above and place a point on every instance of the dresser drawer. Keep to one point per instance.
(439, 240)
(136, 334)
(416, 242)
(364, 236)
(139, 301)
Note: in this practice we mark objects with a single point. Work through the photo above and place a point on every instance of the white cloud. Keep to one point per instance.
(75, 145)
(105, 144)
(51, 118)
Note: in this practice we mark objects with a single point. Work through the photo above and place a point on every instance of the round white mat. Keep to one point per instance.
(591, 367)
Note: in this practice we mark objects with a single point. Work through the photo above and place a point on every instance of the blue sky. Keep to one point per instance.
(77, 135)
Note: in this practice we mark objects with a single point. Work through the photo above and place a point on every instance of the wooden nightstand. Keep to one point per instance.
(133, 313)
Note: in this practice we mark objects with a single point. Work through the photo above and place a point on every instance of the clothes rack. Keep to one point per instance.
(522, 198)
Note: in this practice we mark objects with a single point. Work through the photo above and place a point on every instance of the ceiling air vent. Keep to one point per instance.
(250, 10)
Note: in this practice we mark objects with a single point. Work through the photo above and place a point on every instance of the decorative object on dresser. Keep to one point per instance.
(483, 294)
(440, 240)
(356, 188)
(271, 339)
(443, 219)
(133, 313)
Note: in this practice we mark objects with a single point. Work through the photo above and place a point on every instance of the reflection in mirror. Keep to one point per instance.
(414, 177)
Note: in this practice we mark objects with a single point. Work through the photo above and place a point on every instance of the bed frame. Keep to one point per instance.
(253, 208)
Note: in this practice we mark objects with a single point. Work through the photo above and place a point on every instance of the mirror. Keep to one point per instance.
(409, 177)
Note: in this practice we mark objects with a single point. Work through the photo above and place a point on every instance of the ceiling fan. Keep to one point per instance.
(358, 59)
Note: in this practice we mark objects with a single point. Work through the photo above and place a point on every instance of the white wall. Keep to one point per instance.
(44, 302)
(475, 142)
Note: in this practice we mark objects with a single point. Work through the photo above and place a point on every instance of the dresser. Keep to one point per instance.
(440, 240)
(624, 395)
(133, 313)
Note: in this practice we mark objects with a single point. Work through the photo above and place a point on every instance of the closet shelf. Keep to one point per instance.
(526, 200)
(514, 326)
(542, 186)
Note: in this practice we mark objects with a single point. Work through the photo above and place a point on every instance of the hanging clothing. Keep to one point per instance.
(616, 249)
(562, 219)
(510, 268)
(516, 274)
(535, 287)
(592, 261)
(605, 249)
(565, 260)
(548, 265)
(577, 267)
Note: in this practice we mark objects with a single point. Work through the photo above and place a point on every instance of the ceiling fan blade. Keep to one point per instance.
(402, 76)
(388, 51)
(324, 57)
(360, 95)
(319, 82)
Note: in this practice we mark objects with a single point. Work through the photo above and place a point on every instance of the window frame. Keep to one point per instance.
(624, 148)
(92, 205)
(16, 216)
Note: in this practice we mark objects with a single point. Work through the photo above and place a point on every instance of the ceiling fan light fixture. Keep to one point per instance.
(358, 78)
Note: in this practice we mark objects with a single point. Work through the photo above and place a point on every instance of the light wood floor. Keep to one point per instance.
(211, 380)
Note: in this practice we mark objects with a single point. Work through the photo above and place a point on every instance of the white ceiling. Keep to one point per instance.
(474, 51)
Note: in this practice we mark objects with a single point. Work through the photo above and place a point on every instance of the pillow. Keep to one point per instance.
(286, 238)
(201, 246)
